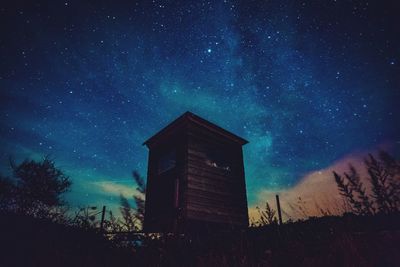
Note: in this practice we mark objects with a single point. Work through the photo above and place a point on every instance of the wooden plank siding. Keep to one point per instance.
(161, 212)
(214, 194)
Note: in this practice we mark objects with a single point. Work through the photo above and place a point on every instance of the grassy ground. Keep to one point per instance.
(327, 241)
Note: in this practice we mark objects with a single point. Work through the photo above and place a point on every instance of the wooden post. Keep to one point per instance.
(176, 198)
(279, 209)
(103, 213)
(176, 206)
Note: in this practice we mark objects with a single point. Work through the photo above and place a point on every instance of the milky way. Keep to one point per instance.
(88, 82)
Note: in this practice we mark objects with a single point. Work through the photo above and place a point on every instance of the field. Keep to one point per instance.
(328, 241)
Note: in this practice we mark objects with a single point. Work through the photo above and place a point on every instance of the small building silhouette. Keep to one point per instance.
(195, 178)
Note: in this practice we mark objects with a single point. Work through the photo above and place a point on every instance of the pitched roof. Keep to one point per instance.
(193, 118)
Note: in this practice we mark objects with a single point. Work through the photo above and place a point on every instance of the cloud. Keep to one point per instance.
(315, 191)
(95, 188)
(116, 189)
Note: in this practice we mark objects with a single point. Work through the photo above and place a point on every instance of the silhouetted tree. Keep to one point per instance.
(36, 188)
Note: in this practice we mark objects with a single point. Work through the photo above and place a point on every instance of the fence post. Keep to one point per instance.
(103, 213)
(279, 209)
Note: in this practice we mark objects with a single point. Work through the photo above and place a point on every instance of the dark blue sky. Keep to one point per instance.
(88, 81)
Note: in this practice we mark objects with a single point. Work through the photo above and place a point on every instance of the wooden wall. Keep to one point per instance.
(207, 194)
(161, 212)
(214, 194)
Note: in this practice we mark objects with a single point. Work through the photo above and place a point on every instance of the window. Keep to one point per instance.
(218, 159)
(167, 161)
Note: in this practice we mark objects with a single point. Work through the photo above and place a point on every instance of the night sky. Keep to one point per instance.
(306, 82)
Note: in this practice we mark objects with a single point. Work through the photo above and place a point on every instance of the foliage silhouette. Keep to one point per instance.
(139, 199)
(133, 217)
(326, 241)
(35, 188)
(267, 216)
(86, 218)
(129, 221)
(7, 193)
(384, 179)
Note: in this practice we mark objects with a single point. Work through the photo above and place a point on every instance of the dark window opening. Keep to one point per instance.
(167, 161)
(218, 159)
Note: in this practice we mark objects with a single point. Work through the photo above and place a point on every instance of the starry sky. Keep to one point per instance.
(306, 82)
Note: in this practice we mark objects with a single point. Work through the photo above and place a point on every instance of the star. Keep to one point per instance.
(269, 72)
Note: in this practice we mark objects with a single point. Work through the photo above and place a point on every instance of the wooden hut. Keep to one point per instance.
(195, 178)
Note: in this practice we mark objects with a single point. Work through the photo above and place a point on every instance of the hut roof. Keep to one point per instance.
(189, 117)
